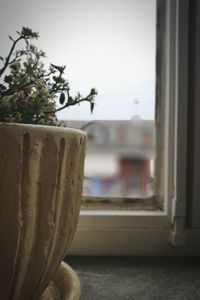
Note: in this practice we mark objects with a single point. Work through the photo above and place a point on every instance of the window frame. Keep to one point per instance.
(154, 232)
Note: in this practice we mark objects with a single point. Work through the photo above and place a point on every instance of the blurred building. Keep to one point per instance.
(120, 157)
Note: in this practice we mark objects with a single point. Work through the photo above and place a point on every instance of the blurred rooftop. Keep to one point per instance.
(130, 138)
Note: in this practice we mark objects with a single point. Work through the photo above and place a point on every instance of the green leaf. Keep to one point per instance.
(2, 87)
(60, 80)
(93, 92)
(10, 37)
(15, 66)
(91, 107)
(62, 98)
(70, 100)
(8, 78)
(58, 68)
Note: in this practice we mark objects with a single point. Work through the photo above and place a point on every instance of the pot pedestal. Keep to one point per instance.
(65, 285)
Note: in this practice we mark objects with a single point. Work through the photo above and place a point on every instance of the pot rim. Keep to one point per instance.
(45, 128)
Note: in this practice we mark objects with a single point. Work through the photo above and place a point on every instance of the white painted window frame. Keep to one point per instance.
(159, 232)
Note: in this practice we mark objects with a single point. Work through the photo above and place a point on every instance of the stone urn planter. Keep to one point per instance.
(41, 173)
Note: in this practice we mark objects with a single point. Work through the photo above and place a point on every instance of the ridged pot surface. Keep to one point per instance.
(41, 173)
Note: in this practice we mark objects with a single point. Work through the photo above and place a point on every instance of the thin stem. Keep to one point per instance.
(2, 70)
(73, 103)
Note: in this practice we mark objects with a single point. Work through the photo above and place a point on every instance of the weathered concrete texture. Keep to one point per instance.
(51, 293)
(40, 191)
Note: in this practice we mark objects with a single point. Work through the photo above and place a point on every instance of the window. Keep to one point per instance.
(120, 42)
(154, 232)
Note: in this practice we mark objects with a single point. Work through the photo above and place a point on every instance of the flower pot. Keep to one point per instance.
(40, 192)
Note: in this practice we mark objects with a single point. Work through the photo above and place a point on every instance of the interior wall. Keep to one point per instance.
(193, 160)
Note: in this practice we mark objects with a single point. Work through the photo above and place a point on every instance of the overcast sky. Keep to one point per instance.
(106, 44)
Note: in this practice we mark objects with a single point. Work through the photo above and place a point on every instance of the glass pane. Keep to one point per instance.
(119, 161)
(111, 45)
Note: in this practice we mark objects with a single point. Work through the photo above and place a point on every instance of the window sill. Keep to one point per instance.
(119, 204)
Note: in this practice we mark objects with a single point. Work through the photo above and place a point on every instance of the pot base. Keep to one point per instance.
(64, 286)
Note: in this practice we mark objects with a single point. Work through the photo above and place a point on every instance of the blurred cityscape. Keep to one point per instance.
(119, 157)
